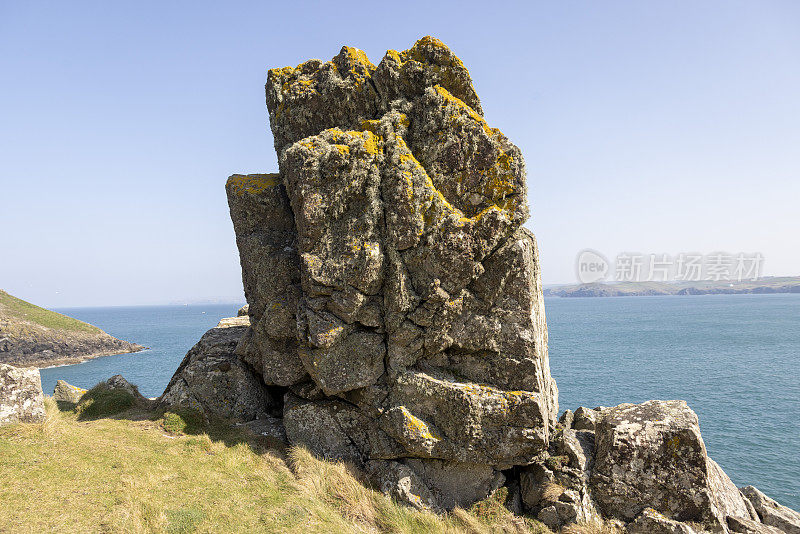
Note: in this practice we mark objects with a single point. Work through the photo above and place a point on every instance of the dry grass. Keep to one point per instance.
(552, 492)
(592, 527)
(127, 474)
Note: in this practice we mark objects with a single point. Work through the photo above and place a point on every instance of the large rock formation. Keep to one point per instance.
(391, 286)
(396, 318)
(21, 397)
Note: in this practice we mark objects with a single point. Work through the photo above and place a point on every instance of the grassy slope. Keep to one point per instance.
(128, 475)
(19, 309)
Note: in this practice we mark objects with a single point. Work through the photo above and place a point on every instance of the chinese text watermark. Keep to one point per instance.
(592, 266)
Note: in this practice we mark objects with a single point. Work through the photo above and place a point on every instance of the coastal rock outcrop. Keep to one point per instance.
(21, 397)
(391, 286)
(652, 455)
(395, 315)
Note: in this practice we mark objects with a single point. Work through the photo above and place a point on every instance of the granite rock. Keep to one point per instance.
(771, 513)
(651, 455)
(65, 392)
(213, 380)
(21, 397)
(391, 286)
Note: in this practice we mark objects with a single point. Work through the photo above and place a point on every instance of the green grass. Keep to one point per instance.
(19, 309)
(126, 474)
(183, 422)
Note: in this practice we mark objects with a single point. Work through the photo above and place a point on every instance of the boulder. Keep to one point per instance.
(401, 483)
(748, 526)
(65, 392)
(21, 397)
(555, 487)
(119, 382)
(213, 379)
(651, 455)
(585, 419)
(772, 513)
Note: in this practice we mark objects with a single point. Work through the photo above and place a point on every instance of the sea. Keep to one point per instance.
(734, 358)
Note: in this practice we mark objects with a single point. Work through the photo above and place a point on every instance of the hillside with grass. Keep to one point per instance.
(34, 336)
(112, 464)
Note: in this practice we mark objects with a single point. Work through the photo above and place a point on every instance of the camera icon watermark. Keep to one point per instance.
(591, 266)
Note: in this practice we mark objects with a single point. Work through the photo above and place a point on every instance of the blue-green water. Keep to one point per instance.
(734, 358)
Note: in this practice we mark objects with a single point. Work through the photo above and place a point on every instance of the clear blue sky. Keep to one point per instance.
(646, 126)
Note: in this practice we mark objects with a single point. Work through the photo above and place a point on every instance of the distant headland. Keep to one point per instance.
(31, 336)
(777, 284)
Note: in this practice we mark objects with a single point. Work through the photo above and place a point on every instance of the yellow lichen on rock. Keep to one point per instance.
(252, 184)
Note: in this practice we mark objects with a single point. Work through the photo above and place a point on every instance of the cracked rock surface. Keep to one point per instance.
(391, 286)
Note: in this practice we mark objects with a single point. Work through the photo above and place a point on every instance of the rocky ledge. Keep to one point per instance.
(396, 318)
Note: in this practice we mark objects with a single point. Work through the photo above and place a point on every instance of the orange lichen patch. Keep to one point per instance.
(253, 184)
(395, 55)
(358, 56)
(416, 52)
(471, 112)
(282, 72)
(344, 150)
(416, 426)
(371, 142)
(371, 125)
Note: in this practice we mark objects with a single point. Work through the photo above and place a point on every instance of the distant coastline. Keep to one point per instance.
(766, 285)
(31, 336)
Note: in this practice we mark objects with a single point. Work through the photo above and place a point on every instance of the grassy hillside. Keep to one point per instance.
(15, 308)
(127, 474)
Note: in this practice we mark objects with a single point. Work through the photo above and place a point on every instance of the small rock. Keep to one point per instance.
(400, 482)
(243, 311)
(585, 419)
(549, 516)
(748, 526)
(21, 397)
(566, 419)
(772, 513)
(64, 392)
(456, 484)
(267, 427)
(119, 382)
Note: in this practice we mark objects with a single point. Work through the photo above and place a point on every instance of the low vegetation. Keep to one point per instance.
(19, 309)
(110, 465)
